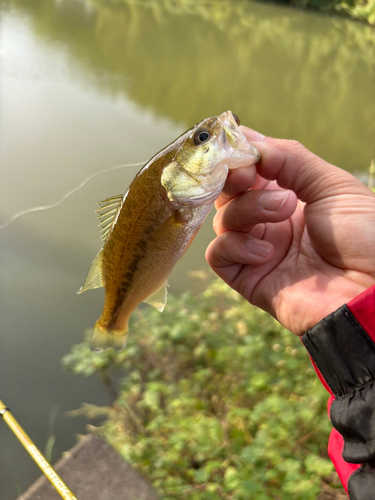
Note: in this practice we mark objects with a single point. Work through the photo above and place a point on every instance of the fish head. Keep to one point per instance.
(205, 154)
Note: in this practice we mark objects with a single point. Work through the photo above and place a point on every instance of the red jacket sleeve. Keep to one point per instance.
(342, 349)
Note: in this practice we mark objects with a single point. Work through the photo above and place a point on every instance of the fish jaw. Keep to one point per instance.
(240, 153)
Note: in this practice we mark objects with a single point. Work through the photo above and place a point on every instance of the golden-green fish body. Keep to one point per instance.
(149, 228)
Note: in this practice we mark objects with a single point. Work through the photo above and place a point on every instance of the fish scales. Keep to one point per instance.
(157, 219)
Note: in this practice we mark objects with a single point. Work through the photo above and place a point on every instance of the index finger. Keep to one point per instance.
(296, 168)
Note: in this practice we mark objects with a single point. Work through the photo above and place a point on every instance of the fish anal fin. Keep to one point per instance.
(107, 213)
(95, 275)
(158, 299)
(102, 339)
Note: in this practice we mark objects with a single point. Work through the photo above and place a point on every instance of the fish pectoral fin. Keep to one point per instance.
(158, 299)
(95, 275)
(107, 212)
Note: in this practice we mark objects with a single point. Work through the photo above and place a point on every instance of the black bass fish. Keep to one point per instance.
(148, 229)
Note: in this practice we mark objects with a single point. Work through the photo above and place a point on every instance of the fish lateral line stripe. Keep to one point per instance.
(135, 220)
(127, 281)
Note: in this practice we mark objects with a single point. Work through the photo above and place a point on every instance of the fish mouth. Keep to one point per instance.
(240, 152)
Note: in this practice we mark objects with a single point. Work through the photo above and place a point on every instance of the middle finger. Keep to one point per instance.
(254, 207)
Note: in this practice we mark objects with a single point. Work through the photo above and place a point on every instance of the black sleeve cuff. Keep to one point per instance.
(361, 485)
(345, 356)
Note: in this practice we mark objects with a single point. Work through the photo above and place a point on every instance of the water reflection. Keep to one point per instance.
(285, 72)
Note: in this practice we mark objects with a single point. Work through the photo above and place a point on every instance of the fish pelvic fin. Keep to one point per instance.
(102, 339)
(158, 299)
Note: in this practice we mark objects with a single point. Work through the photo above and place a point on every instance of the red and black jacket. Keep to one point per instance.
(342, 348)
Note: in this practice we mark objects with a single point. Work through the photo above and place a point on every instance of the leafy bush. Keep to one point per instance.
(363, 10)
(218, 401)
(359, 9)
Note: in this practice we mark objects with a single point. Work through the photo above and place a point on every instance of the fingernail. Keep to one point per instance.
(252, 135)
(258, 247)
(273, 200)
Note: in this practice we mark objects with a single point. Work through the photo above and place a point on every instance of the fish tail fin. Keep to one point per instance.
(102, 339)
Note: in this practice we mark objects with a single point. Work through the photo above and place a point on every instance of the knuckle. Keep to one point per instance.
(215, 224)
(296, 145)
(225, 240)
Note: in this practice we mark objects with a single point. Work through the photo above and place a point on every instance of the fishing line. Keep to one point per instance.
(69, 193)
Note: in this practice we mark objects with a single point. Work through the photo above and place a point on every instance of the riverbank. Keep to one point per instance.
(217, 400)
(93, 470)
(362, 10)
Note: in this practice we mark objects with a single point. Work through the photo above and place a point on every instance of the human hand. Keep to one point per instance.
(298, 238)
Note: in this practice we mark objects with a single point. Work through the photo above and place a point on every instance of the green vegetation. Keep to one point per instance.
(217, 401)
(363, 10)
(360, 9)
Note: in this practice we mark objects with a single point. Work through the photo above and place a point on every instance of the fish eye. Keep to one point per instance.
(236, 119)
(202, 135)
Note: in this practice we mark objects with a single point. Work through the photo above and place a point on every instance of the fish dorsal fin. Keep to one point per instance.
(107, 212)
(158, 299)
(95, 276)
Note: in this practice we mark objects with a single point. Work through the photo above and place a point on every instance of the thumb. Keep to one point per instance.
(296, 168)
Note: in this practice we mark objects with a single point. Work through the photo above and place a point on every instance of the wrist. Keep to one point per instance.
(320, 305)
(361, 306)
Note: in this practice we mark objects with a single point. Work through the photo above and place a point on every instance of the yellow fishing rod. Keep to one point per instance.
(56, 481)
